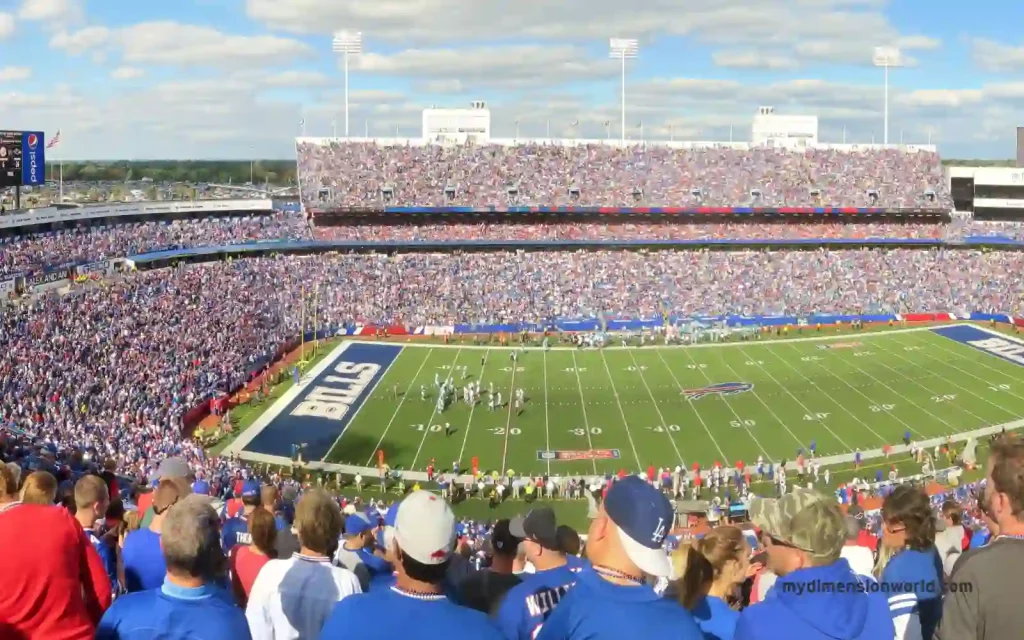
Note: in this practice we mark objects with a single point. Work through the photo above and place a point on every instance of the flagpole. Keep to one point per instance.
(302, 332)
(60, 168)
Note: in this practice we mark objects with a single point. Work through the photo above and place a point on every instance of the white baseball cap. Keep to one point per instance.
(425, 528)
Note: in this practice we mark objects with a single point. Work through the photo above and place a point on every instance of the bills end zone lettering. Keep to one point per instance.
(1003, 347)
(318, 411)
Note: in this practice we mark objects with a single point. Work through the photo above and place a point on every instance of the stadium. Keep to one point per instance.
(516, 324)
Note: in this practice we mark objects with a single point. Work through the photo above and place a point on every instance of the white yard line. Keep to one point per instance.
(412, 383)
(832, 399)
(426, 429)
(664, 424)
(954, 383)
(508, 419)
(583, 406)
(771, 411)
(472, 408)
(893, 414)
(938, 344)
(692, 407)
(622, 411)
(728, 404)
(547, 423)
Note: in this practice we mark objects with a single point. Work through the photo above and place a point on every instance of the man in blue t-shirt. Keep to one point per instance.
(142, 557)
(528, 604)
(415, 607)
(612, 598)
(236, 530)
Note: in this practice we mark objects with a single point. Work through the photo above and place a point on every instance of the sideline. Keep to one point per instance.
(849, 335)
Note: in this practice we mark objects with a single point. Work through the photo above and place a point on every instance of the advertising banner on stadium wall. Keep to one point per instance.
(38, 281)
(7, 287)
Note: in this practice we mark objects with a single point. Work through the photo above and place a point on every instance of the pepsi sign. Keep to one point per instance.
(22, 158)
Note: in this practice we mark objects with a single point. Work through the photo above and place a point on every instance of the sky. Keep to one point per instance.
(233, 79)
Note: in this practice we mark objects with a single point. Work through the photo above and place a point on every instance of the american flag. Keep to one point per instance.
(54, 141)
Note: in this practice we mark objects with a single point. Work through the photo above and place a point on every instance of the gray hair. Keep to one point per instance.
(853, 527)
(190, 538)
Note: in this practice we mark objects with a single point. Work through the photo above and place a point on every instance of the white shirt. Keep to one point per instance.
(861, 559)
(292, 598)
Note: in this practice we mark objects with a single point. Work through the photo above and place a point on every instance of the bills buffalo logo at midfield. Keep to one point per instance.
(720, 389)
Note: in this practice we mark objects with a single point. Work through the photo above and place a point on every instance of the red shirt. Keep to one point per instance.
(650, 474)
(54, 584)
(866, 539)
(245, 566)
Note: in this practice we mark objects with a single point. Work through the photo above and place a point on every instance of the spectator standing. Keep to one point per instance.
(354, 553)
(54, 585)
(292, 597)
(612, 599)
(236, 529)
(804, 535)
(908, 535)
(984, 601)
(708, 571)
(40, 488)
(860, 557)
(527, 605)
(188, 604)
(247, 560)
(270, 498)
(949, 536)
(91, 502)
(141, 556)
(415, 607)
(485, 590)
(173, 468)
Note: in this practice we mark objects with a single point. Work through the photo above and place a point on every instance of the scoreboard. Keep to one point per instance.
(22, 158)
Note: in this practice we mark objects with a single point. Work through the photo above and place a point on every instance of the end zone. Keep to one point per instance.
(991, 342)
(318, 409)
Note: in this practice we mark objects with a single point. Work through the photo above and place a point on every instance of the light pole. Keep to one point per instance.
(886, 57)
(623, 49)
(348, 44)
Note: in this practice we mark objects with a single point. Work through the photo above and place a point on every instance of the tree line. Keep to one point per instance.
(275, 172)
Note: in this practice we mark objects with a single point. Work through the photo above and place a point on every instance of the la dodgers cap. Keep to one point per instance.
(643, 517)
(425, 528)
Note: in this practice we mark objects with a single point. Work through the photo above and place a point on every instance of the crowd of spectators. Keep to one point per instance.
(242, 556)
(368, 175)
(650, 229)
(32, 252)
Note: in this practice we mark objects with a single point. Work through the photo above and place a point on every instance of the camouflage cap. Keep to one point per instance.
(804, 519)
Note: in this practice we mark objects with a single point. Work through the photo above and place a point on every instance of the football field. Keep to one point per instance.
(591, 411)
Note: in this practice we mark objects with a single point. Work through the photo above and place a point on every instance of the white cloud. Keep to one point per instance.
(941, 98)
(778, 27)
(996, 56)
(81, 41)
(58, 12)
(753, 60)
(510, 66)
(127, 73)
(296, 78)
(12, 74)
(6, 25)
(175, 44)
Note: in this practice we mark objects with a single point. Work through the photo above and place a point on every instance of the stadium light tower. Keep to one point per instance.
(886, 57)
(348, 44)
(623, 49)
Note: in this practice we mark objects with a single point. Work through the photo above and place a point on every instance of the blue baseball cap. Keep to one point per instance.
(357, 524)
(391, 515)
(251, 489)
(643, 516)
(201, 487)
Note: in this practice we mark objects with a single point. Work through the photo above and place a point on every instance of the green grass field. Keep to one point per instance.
(860, 396)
